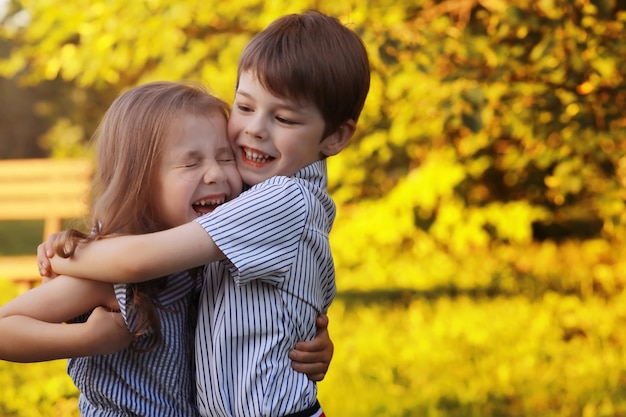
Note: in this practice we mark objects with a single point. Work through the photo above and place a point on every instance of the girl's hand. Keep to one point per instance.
(313, 357)
(45, 251)
(109, 332)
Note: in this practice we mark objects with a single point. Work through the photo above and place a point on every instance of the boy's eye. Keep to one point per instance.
(244, 108)
(285, 121)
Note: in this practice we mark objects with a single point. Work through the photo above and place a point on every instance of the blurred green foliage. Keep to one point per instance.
(484, 190)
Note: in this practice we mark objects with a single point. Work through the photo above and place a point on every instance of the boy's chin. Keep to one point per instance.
(251, 178)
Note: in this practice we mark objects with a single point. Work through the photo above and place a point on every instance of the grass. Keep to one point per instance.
(426, 353)
(20, 237)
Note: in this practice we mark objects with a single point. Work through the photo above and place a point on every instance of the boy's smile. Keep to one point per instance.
(272, 135)
(253, 156)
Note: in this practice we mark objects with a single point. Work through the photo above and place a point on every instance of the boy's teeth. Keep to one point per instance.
(256, 157)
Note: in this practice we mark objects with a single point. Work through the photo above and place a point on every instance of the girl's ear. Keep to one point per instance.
(337, 141)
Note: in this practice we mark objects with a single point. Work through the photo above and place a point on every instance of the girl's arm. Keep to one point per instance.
(32, 326)
(136, 258)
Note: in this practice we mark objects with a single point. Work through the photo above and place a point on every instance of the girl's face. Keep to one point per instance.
(197, 171)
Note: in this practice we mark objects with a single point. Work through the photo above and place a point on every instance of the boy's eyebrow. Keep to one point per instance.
(282, 102)
(243, 93)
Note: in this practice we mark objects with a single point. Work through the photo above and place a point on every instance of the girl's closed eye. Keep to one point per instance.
(189, 163)
(225, 155)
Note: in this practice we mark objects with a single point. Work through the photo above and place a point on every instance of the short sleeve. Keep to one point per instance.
(259, 231)
(122, 293)
(177, 287)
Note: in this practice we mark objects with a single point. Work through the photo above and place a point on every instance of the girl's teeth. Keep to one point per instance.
(210, 203)
(206, 206)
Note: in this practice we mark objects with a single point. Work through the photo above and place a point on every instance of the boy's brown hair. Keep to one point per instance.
(311, 57)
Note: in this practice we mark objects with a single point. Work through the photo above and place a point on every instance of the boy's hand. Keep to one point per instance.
(313, 357)
(45, 251)
(108, 332)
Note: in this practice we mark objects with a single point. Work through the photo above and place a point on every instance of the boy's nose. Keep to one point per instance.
(256, 128)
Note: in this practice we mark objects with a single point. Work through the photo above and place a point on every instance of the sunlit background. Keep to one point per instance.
(479, 242)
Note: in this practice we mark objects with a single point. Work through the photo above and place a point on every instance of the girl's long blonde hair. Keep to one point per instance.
(129, 144)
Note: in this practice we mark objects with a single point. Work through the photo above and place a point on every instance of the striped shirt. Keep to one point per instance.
(160, 382)
(259, 303)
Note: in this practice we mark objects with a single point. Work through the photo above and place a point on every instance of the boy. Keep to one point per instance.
(301, 85)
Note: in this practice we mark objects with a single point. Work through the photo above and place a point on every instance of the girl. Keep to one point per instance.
(163, 159)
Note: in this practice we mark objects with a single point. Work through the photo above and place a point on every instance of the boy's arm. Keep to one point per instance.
(32, 326)
(313, 357)
(136, 258)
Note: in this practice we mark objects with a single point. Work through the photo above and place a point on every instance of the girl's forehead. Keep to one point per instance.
(189, 125)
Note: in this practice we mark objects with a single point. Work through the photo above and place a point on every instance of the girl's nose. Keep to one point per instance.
(214, 174)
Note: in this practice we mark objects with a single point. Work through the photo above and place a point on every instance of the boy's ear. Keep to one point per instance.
(337, 141)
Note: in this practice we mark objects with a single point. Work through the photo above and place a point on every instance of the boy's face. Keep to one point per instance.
(197, 171)
(272, 135)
